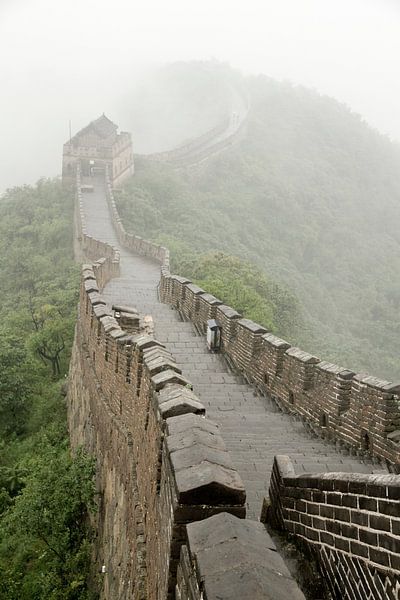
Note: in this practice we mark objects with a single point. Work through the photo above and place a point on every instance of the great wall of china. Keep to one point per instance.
(194, 449)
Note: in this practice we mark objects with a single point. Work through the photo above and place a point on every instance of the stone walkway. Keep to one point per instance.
(253, 428)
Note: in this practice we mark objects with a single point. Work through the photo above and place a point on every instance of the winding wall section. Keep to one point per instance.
(161, 465)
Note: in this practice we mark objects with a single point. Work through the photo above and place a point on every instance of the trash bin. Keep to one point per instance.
(213, 335)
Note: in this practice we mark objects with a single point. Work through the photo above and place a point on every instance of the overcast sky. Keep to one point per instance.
(74, 59)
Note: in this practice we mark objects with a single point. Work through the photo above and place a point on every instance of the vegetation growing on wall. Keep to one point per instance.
(311, 195)
(44, 491)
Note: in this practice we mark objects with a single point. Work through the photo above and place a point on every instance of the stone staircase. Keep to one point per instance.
(253, 427)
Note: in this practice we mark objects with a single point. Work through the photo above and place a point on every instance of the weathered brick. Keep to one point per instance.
(379, 522)
(367, 503)
(359, 549)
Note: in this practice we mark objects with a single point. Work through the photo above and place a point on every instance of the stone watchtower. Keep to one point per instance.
(97, 145)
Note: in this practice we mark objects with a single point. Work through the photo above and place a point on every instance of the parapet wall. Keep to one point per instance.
(132, 242)
(352, 523)
(356, 410)
(191, 146)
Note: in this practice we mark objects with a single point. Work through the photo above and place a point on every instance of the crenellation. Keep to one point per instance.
(189, 305)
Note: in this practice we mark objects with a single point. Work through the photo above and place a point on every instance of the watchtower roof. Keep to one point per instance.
(102, 128)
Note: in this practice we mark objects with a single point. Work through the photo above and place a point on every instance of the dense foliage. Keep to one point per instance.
(44, 491)
(235, 281)
(311, 195)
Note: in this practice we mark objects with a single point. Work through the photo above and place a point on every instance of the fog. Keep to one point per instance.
(64, 62)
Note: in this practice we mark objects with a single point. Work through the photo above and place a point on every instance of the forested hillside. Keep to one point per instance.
(44, 492)
(311, 195)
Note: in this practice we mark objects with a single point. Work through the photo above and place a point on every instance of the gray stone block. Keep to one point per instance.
(178, 425)
(169, 376)
(194, 455)
(95, 298)
(236, 558)
(210, 484)
(161, 363)
(177, 406)
(90, 285)
(191, 437)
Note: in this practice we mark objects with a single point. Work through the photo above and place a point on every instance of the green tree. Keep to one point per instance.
(47, 530)
(16, 384)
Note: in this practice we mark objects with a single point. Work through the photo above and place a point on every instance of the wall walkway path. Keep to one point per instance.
(252, 426)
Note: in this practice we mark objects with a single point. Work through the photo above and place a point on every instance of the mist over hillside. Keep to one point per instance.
(174, 103)
(311, 194)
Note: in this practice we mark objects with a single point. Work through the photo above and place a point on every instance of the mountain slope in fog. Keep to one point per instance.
(311, 194)
(175, 103)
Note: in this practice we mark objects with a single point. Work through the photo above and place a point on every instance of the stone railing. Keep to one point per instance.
(352, 523)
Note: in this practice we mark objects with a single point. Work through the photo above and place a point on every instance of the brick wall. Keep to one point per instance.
(161, 464)
(352, 523)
